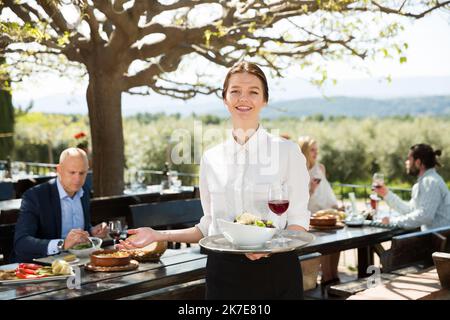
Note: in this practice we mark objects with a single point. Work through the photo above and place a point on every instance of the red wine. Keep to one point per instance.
(115, 234)
(279, 206)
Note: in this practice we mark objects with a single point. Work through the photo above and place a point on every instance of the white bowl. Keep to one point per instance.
(83, 253)
(245, 236)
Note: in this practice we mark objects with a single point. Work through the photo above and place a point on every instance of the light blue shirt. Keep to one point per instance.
(72, 216)
(429, 206)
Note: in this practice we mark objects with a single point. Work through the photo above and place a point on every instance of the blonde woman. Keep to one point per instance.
(321, 197)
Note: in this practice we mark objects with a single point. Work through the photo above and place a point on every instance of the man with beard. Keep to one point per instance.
(429, 206)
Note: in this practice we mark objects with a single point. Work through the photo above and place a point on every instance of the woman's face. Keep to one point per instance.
(314, 151)
(244, 97)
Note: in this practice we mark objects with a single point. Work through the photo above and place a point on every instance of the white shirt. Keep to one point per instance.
(72, 215)
(235, 178)
(429, 206)
(323, 196)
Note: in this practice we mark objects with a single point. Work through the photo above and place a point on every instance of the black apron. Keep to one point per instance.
(235, 277)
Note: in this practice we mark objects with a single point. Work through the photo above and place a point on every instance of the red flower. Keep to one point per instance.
(79, 135)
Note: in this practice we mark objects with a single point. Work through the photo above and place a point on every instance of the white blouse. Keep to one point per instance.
(323, 197)
(235, 178)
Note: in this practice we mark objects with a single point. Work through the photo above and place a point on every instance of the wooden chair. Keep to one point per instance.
(24, 184)
(167, 215)
(442, 263)
(414, 249)
(6, 241)
(6, 191)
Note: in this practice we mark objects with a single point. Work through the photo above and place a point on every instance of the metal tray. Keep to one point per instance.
(297, 239)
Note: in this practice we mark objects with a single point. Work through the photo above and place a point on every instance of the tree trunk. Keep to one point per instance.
(105, 116)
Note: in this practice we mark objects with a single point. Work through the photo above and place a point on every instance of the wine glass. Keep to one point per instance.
(377, 180)
(279, 203)
(115, 230)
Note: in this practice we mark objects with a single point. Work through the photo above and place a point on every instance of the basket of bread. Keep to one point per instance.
(327, 217)
(150, 253)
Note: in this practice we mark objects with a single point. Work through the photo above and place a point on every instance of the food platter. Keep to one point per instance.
(297, 239)
(26, 281)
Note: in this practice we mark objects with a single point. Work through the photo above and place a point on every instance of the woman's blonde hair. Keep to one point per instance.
(305, 143)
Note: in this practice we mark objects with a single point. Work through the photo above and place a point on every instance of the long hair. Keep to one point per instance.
(426, 155)
(305, 144)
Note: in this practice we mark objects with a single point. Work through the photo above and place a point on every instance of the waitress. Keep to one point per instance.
(235, 177)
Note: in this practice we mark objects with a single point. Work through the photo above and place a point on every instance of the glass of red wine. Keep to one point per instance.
(279, 203)
(115, 230)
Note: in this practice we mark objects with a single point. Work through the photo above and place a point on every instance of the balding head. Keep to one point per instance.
(72, 169)
(73, 153)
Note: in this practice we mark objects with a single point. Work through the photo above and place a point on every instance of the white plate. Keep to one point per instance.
(49, 260)
(25, 281)
(297, 239)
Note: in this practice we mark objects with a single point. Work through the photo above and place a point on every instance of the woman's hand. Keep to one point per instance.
(256, 256)
(140, 238)
(313, 184)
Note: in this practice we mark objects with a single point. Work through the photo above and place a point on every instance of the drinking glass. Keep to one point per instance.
(115, 230)
(377, 180)
(278, 202)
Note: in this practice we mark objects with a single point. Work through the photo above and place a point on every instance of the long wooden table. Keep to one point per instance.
(361, 238)
(175, 267)
(182, 266)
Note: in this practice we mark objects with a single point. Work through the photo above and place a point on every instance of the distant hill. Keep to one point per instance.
(360, 107)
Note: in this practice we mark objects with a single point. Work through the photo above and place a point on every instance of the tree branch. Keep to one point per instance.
(57, 19)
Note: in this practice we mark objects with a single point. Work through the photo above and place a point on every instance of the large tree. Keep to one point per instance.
(127, 45)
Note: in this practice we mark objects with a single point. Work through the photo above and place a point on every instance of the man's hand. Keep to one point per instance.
(74, 237)
(313, 184)
(385, 220)
(100, 230)
(381, 190)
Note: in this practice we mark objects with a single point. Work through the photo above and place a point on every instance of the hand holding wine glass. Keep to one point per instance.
(279, 203)
(377, 180)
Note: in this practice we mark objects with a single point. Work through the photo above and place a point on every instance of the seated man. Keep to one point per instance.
(55, 216)
(429, 206)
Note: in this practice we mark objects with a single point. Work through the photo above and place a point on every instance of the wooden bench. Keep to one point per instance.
(168, 215)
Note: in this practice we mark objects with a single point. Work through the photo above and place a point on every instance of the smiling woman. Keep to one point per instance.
(234, 176)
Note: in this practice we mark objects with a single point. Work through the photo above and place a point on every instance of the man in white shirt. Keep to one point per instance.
(429, 206)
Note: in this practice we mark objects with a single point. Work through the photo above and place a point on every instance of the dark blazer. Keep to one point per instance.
(40, 221)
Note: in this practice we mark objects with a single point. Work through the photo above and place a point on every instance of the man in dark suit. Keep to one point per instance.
(55, 216)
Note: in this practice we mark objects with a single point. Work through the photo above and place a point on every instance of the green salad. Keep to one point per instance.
(252, 220)
(82, 246)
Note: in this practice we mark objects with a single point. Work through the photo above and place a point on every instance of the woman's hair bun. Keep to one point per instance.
(438, 152)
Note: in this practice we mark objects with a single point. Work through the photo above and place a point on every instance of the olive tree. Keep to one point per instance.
(144, 46)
